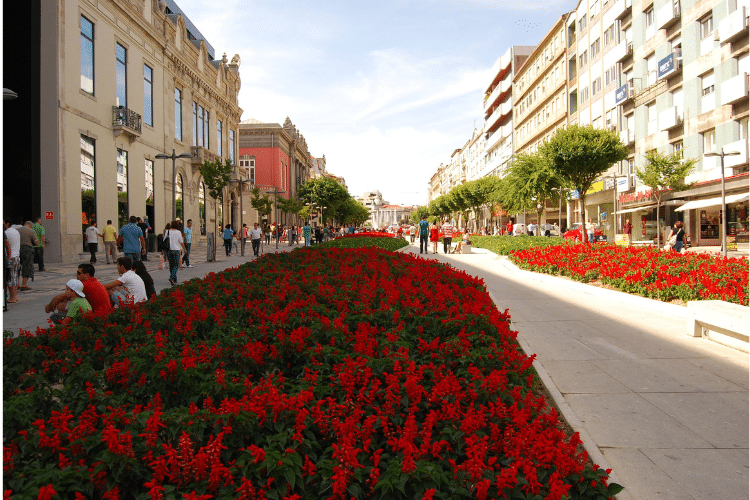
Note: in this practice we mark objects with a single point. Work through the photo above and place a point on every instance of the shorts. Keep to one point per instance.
(27, 261)
(14, 266)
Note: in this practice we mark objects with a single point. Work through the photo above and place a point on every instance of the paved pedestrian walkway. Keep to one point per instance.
(28, 313)
(667, 412)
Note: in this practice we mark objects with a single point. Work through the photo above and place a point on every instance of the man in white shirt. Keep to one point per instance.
(447, 229)
(14, 263)
(129, 287)
(255, 235)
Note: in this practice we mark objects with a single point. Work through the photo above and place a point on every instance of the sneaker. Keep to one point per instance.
(190, 265)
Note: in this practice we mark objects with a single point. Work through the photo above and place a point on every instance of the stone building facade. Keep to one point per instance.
(122, 82)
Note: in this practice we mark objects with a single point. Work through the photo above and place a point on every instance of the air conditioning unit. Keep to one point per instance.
(631, 88)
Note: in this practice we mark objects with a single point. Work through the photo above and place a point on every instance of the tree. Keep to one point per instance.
(291, 205)
(216, 176)
(478, 193)
(530, 184)
(352, 212)
(664, 173)
(417, 214)
(323, 192)
(579, 155)
(262, 203)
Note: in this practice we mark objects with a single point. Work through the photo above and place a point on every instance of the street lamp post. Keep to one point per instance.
(723, 197)
(242, 227)
(276, 192)
(173, 156)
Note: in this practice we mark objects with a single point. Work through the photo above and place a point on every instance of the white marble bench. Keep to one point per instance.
(465, 248)
(730, 321)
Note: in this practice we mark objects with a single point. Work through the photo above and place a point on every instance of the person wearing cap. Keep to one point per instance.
(76, 307)
(96, 295)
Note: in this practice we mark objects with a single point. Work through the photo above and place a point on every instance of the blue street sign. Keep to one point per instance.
(665, 67)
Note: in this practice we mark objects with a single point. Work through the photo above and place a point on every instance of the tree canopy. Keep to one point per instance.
(530, 184)
(216, 176)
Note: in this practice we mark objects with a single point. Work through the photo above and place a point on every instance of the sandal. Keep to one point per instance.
(12, 301)
(23, 288)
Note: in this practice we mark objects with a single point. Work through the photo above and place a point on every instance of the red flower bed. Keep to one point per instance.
(310, 375)
(644, 270)
(372, 234)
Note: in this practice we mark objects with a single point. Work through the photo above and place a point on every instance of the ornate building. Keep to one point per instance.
(119, 82)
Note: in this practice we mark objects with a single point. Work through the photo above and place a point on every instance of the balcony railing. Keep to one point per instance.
(735, 25)
(200, 153)
(668, 14)
(126, 120)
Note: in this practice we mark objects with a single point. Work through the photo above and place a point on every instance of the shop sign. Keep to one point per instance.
(621, 94)
(665, 67)
(574, 195)
(595, 188)
(603, 216)
(49, 215)
(731, 242)
(622, 184)
(621, 240)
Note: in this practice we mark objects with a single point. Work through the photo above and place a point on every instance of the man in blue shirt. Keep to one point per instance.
(228, 235)
(133, 243)
(188, 231)
(424, 232)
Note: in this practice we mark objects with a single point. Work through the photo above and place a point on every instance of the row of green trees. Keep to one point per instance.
(572, 159)
(323, 195)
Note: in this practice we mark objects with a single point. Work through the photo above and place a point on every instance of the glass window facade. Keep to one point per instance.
(148, 95)
(178, 114)
(121, 75)
(87, 56)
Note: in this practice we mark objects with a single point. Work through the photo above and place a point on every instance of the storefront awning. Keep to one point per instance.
(629, 210)
(713, 202)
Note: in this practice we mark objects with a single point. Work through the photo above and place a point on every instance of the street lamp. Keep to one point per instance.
(242, 227)
(173, 156)
(723, 197)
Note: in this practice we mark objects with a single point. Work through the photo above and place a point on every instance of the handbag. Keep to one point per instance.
(672, 241)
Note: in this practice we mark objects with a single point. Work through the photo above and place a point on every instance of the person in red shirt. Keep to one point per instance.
(95, 292)
(509, 228)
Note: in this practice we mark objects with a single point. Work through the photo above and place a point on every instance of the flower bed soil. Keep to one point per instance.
(308, 375)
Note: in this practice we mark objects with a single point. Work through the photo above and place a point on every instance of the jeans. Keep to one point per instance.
(446, 244)
(174, 262)
(591, 237)
(422, 242)
(39, 252)
(256, 246)
(678, 246)
(228, 246)
(134, 256)
(186, 257)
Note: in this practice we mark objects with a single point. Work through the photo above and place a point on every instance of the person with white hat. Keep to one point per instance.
(76, 307)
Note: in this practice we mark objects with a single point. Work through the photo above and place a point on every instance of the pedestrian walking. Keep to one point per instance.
(41, 242)
(174, 243)
(307, 233)
(434, 236)
(228, 234)
(110, 242)
(145, 228)
(14, 259)
(627, 230)
(131, 238)
(447, 235)
(188, 232)
(26, 253)
(424, 233)
(255, 235)
(92, 240)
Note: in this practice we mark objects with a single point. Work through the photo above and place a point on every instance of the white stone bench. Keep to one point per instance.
(465, 248)
(728, 322)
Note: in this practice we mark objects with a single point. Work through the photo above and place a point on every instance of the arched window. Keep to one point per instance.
(202, 207)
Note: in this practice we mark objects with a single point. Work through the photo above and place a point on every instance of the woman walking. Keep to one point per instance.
(174, 242)
(434, 236)
(679, 233)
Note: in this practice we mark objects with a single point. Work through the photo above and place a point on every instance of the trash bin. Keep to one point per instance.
(151, 243)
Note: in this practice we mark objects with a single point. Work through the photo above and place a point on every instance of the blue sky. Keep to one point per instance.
(387, 90)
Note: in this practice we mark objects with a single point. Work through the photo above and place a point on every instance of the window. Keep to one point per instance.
(148, 95)
(651, 69)
(195, 123)
(583, 59)
(87, 164)
(584, 95)
(709, 141)
(218, 137)
(87, 56)
(582, 23)
(178, 114)
(708, 99)
(649, 17)
(122, 187)
(249, 164)
(677, 148)
(610, 75)
(596, 86)
(707, 27)
(708, 83)
(595, 47)
(609, 35)
(121, 75)
(206, 143)
(149, 182)
(200, 126)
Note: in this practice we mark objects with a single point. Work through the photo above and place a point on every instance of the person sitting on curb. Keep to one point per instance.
(129, 287)
(76, 307)
(95, 293)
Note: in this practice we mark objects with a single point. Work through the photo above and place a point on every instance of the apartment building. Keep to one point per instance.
(684, 88)
(119, 83)
(498, 110)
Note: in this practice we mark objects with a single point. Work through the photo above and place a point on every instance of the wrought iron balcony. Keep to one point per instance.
(126, 121)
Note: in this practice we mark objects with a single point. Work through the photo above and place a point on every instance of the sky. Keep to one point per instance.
(386, 90)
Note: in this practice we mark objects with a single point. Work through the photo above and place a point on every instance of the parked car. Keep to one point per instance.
(574, 233)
